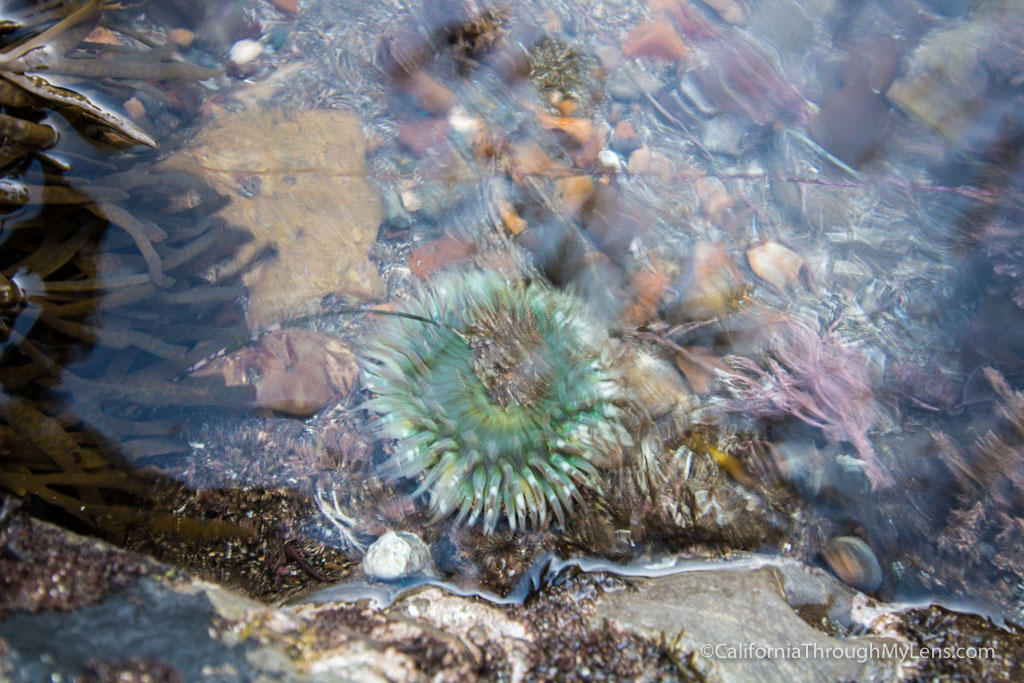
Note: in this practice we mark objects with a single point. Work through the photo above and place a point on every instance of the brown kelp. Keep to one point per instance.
(102, 303)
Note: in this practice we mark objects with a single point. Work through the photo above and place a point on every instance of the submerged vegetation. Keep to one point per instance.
(102, 307)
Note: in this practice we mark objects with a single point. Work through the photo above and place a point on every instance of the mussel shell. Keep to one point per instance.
(853, 561)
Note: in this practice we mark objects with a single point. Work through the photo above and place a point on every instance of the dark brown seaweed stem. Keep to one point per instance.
(138, 449)
(116, 299)
(189, 528)
(157, 392)
(107, 480)
(49, 256)
(43, 431)
(123, 219)
(188, 252)
(10, 152)
(49, 437)
(198, 296)
(10, 59)
(114, 518)
(26, 132)
(108, 424)
(111, 337)
(38, 357)
(70, 39)
(13, 442)
(96, 284)
(13, 97)
(62, 194)
(22, 484)
(121, 67)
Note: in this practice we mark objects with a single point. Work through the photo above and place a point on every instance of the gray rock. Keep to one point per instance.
(722, 135)
(722, 617)
(630, 83)
(396, 555)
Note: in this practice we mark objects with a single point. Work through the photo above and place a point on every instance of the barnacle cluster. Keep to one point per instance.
(500, 397)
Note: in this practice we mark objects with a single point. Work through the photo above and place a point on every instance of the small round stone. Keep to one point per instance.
(244, 51)
(396, 555)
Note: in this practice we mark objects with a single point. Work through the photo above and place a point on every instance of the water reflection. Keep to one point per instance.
(797, 221)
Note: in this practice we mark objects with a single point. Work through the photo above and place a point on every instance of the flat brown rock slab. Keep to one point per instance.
(722, 617)
(297, 182)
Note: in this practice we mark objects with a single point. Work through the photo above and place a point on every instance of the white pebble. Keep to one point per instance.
(396, 555)
(464, 122)
(610, 159)
(244, 51)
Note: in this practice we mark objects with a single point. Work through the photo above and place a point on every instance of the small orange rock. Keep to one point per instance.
(181, 37)
(429, 93)
(715, 199)
(422, 135)
(510, 217)
(287, 5)
(573, 192)
(578, 137)
(439, 254)
(639, 161)
(134, 109)
(528, 159)
(776, 264)
(566, 107)
(103, 36)
(699, 366)
(711, 283)
(655, 39)
(646, 291)
(624, 130)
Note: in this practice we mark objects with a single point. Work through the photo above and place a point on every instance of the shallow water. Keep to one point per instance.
(793, 228)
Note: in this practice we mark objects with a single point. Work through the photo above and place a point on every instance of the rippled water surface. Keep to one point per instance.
(604, 279)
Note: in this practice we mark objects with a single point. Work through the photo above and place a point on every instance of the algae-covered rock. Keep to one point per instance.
(297, 182)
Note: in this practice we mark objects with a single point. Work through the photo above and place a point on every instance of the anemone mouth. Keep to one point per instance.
(503, 408)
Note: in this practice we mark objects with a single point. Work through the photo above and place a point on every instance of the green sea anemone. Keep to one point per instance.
(503, 403)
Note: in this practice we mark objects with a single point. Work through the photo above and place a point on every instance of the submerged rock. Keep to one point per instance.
(298, 183)
(295, 371)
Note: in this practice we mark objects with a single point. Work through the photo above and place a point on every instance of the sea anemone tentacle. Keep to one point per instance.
(502, 406)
